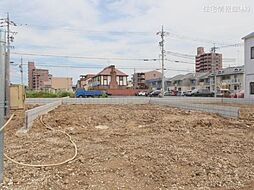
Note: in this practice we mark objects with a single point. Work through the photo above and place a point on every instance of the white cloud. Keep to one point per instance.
(79, 27)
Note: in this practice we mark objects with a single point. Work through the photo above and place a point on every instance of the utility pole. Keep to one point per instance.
(2, 102)
(162, 34)
(214, 70)
(21, 71)
(7, 69)
(135, 79)
(6, 22)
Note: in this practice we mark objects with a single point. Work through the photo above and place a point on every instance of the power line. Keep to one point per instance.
(177, 61)
(117, 32)
(86, 57)
(191, 57)
(100, 67)
(188, 38)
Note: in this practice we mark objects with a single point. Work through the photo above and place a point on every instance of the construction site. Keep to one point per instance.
(121, 94)
(123, 145)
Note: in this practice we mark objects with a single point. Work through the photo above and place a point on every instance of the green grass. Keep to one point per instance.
(43, 94)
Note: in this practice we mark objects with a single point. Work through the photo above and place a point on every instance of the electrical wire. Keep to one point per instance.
(85, 57)
(191, 57)
(7, 123)
(101, 67)
(115, 32)
(45, 165)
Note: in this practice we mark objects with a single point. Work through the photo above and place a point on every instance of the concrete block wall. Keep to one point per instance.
(178, 102)
(106, 101)
(31, 115)
(225, 111)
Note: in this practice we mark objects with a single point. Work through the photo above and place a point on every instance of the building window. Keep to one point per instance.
(105, 80)
(121, 80)
(252, 88)
(252, 52)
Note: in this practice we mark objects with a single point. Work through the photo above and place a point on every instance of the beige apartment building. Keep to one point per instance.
(208, 62)
(139, 79)
(40, 79)
(61, 84)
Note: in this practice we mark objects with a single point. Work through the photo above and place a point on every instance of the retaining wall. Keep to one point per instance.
(202, 100)
(41, 101)
(31, 115)
(106, 101)
(189, 103)
(225, 111)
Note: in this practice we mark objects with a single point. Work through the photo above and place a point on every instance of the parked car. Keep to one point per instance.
(239, 94)
(224, 93)
(155, 93)
(167, 93)
(202, 93)
(142, 93)
(170, 93)
(181, 93)
(188, 93)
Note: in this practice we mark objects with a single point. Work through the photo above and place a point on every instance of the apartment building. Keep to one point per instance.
(139, 79)
(61, 84)
(231, 78)
(40, 79)
(207, 62)
(84, 81)
(188, 82)
(249, 65)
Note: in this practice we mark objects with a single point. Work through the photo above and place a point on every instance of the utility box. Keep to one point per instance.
(17, 96)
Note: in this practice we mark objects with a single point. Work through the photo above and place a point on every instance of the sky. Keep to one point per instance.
(123, 29)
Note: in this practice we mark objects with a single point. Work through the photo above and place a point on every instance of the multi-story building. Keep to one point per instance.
(37, 78)
(61, 84)
(249, 65)
(231, 78)
(207, 62)
(109, 78)
(188, 82)
(139, 79)
(84, 81)
(40, 79)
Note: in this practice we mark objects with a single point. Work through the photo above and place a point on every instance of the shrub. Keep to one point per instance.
(43, 94)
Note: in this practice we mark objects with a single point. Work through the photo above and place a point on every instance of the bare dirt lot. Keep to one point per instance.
(133, 147)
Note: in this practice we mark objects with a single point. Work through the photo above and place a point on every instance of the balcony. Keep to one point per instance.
(232, 81)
